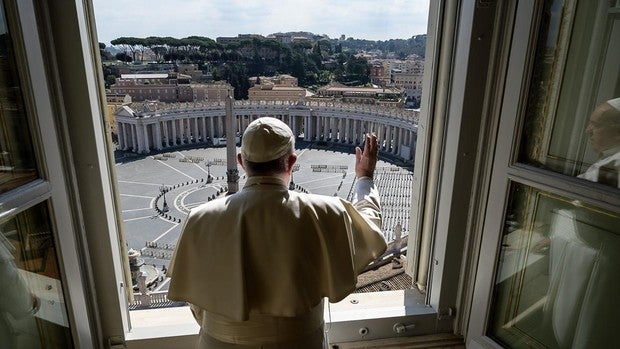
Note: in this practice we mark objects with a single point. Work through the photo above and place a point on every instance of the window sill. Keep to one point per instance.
(360, 316)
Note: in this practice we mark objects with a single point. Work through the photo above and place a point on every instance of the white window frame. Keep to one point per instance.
(506, 170)
(55, 186)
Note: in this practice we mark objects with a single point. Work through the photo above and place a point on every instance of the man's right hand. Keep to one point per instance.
(366, 161)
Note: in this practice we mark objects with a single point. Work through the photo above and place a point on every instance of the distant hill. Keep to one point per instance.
(400, 47)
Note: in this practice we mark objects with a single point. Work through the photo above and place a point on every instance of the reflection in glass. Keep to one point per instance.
(557, 281)
(17, 163)
(574, 90)
(604, 136)
(32, 308)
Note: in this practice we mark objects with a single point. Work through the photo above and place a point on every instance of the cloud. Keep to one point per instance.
(364, 19)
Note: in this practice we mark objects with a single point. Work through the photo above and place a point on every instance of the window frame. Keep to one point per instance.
(52, 187)
(506, 169)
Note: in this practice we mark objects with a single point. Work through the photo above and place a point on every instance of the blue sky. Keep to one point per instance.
(361, 19)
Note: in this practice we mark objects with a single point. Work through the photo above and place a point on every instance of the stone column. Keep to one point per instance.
(195, 129)
(212, 128)
(204, 129)
(166, 133)
(134, 138)
(318, 127)
(147, 147)
(220, 126)
(158, 135)
(139, 138)
(326, 128)
(409, 138)
(394, 139)
(338, 131)
(383, 138)
(401, 133)
(121, 136)
(186, 130)
(306, 128)
(174, 131)
(128, 136)
(180, 131)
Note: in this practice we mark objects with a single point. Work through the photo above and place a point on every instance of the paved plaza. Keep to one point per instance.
(182, 174)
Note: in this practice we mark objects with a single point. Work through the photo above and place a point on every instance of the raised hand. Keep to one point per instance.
(366, 161)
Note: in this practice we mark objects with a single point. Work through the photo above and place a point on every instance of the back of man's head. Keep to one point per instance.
(267, 142)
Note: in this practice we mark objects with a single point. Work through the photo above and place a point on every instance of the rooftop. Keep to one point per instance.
(144, 76)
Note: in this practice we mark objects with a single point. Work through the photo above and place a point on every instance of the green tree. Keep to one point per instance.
(123, 57)
(133, 44)
(110, 80)
(105, 55)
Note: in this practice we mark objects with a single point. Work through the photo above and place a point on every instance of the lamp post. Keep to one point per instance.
(209, 177)
(291, 185)
(163, 189)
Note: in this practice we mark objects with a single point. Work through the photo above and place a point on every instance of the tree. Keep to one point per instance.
(105, 55)
(134, 45)
(123, 57)
(110, 80)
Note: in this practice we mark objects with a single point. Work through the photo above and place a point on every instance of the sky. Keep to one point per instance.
(360, 19)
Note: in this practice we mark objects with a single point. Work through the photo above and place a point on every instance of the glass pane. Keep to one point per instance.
(32, 307)
(557, 280)
(572, 120)
(17, 162)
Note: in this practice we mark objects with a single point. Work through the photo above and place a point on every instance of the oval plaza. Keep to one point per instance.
(155, 126)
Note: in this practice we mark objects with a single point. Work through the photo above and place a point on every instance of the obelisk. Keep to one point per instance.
(232, 173)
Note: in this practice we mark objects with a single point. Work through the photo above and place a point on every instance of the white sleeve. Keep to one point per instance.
(366, 200)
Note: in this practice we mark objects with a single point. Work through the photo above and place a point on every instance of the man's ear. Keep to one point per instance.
(240, 160)
(292, 159)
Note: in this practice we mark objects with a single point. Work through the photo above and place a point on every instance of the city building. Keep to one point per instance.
(508, 247)
(281, 38)
(271, 92)
(192, 70)
(378, 75)
(114, 102)
(237, 39)
(169, 87)
(148, 68)
(365, 95)
(282, 87)
(410, 83)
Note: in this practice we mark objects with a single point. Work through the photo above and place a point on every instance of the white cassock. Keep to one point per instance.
(582, 305)
(256, 265)
(606, 170)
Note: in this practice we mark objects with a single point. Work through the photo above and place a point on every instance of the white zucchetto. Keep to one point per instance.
(266, 139)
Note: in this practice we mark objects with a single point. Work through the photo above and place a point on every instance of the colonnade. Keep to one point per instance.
(143, 132)
(352, 130)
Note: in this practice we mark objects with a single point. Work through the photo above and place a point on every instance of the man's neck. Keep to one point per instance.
(284, 177)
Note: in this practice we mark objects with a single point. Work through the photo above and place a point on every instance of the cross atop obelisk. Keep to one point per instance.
(232, 173)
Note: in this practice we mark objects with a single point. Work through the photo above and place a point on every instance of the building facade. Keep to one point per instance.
(364, 95)
(168, 87)
(154, 129)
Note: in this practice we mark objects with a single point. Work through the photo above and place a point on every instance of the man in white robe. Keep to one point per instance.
(581, 302)
(256, 265)
(604, 131)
